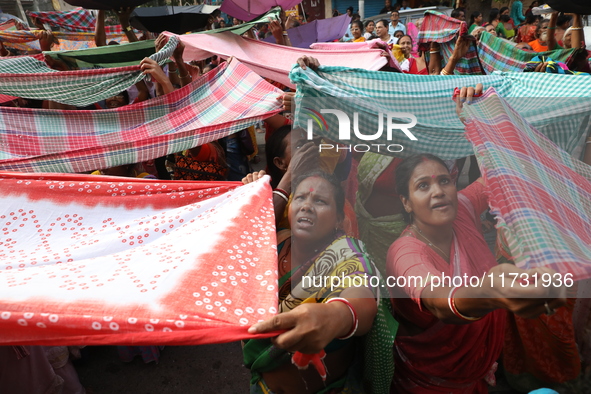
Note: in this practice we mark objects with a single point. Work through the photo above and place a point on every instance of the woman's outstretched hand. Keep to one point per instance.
(308, 61)
(308, 328)
(253, 177)
(466, 95)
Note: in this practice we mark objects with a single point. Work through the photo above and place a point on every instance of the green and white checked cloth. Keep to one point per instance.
(273, 14)
(498, 54)
(29, 78)
(123, 55)
(557, 105)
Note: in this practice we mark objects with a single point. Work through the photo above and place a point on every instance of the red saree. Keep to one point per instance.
(445, 358)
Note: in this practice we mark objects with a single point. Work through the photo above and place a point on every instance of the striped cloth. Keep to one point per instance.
(77, 20)
(107, 56)
(96, 260)
(558, 105)
(540, 195)
(551, 66)
(497, 54)
(30, 78)
(445, 30)
(26, 41)
(8, 25)
(214, 106)
(271, 60)
(348, 46)
(273, 14)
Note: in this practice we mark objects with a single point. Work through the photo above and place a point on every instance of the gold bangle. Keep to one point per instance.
(443, 72)
(185, 76)
(576, 28)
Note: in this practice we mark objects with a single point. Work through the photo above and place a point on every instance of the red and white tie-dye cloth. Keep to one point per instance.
(89, 260)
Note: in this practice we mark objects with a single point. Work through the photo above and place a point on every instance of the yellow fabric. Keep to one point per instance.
(253, 137)
(397, 52)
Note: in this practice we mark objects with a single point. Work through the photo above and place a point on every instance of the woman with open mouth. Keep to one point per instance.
(452, 332)
(327, 301)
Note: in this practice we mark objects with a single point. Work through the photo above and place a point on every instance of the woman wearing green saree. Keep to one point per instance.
(312, 250)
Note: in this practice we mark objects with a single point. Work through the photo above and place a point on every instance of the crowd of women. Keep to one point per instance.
(369, 216)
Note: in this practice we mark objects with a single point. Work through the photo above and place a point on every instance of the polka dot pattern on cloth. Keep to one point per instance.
(134, 261)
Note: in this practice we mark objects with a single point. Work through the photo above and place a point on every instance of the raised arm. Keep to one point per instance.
(551, 40)
(434, 59)
(100, 36)
(184, 75)
(305, 158)
(577, 35)
(460, 50)
(46, 39)
(278, 32)
(123, 14)
(151, 67)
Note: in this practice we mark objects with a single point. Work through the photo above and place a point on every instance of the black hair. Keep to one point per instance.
(350, 8)
(384, 22)
(339, 193)
(406, 35)
(562, 19)
(359, 25)
(404, 171)
(503, 9)
(493, 15)
(367, 22)
(275, 147)
(355, 17)
(505, 18)
(473, 17)
(530, 19)
(456, 12)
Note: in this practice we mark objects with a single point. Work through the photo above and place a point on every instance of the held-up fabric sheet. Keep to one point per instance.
(247, 10)
(540, 195)
(93, 260)
(319, 30)
(271, 60)
(559, 106)
(109, 56)
(30, 78)
(445, 30)
(76, 20)
(242, 28)
(497, 54)
(27, 41)
(348, 46)
(219, 103)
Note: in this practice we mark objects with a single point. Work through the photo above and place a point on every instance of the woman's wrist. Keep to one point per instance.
(285, 182)
(343, 318)
(486, 300)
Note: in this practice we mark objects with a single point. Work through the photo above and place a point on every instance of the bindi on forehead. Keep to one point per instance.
(311, 190)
